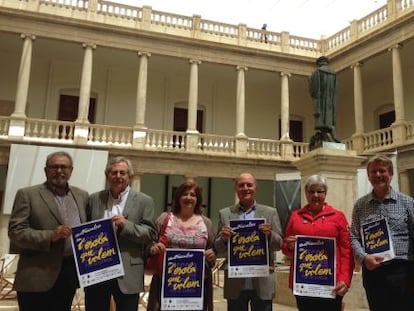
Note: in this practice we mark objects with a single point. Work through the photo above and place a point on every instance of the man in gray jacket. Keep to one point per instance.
(258, 291)
(40, 229)
(132, 213)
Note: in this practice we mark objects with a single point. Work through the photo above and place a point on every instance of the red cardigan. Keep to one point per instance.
(331, 223)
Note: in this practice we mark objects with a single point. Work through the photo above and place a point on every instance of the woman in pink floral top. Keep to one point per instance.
(187, 227)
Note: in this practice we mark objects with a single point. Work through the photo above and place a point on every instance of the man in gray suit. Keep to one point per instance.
(132, 213)
(40, 229)
(258, 291)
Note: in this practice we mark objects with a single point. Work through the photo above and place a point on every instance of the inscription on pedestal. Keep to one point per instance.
(333, 145)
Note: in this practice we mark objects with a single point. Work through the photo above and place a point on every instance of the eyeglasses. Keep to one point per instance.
(318, 192)
(57, 167)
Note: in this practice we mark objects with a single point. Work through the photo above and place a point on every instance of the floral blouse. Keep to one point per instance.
(179, 236)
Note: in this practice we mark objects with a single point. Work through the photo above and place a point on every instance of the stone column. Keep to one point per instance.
(404, 179)
(240, 102)
(192, 132)
(284, 122)
(241, 138)
(358, 99)
(140, 133)
(193, 97)
(398, 128)
(287, 146)
(141, 101)
(397, 79)
(358, 136)
(136, 182)
(23, 77)
(86, 82)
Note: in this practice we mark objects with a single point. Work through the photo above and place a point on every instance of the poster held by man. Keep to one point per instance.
(97, 254)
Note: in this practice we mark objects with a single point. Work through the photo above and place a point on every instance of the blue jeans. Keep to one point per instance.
(242, 303)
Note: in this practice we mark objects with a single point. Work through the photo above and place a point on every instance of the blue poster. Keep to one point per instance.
(183, 280)
(314, 266)
(96, 252)
(247, 249)
(376, 238)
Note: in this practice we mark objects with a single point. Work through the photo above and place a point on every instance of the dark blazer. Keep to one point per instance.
(34, 217)
(264, 286)
(138, 232)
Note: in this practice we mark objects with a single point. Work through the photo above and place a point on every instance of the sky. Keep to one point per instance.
(305, 18)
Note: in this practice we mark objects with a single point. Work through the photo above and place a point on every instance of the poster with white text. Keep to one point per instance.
(376, 238)
(247, 249)
(183, 279)
(314, 266)
(96, 252)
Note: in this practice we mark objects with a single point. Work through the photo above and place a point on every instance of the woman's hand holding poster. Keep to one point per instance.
(314, 267)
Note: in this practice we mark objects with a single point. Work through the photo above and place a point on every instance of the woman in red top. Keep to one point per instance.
(317, 218)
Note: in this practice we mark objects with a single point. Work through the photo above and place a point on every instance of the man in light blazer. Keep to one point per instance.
(258, 291)
(40, 229)
(132, 213)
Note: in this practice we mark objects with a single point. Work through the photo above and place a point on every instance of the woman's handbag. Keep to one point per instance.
(154, 263)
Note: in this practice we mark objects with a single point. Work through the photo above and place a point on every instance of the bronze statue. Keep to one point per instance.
(322, 88)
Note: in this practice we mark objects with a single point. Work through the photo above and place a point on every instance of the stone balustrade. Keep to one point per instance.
(106, 136)
(116, 14)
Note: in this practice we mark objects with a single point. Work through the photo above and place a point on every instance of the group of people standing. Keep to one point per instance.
(46, 277)
(389, 284)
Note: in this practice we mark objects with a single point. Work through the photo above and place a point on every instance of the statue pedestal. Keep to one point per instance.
(323, 138)
(340, 168)
(333, 145)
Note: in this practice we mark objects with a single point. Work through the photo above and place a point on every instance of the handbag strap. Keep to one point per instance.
(164, 227)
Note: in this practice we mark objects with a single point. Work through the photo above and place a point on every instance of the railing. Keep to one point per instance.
(263, 148)
(373, 19)
(4, 126)
(258, 35)
(62, 132)
(349, 143)
(110, 135)
(304, 44)
(219, 29)
(378, 139)
(338, 39)
(147, 17)
(76, 4)
(409, 127)
(217, 144)
(171, 20)
(403, 5)
(300, 149)
(108, 8)
(57, 131)
(164, 140)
